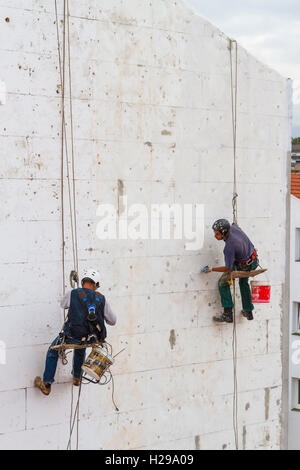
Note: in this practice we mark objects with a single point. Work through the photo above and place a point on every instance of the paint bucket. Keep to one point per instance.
(97, 363)
(261, 292)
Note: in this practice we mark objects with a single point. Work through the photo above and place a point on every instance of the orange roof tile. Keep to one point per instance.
(295, 184)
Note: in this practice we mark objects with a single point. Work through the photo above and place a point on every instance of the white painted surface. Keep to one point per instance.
(151, 108)
(2, 93)
(294, 416)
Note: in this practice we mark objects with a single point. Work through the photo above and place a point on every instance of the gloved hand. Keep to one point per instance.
(206, 269)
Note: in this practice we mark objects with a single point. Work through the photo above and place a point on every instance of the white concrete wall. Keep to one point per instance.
(152, 108)
(294, 416)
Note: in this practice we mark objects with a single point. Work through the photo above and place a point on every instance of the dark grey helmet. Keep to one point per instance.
(222, 226)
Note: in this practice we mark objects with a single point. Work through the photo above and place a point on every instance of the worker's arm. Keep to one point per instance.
(110, 317)
(221, 269)
(66, 300)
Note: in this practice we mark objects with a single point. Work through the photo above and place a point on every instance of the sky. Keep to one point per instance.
(269, 29)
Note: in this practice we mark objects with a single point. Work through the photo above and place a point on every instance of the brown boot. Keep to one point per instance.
(76, 382)
(44, 388)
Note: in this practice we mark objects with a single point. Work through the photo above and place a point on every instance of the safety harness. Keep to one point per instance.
(95, 328)
(248, 262)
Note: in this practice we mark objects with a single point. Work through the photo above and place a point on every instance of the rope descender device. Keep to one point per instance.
(74, 279)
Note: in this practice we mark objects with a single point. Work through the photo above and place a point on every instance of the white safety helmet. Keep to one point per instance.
(91, 274)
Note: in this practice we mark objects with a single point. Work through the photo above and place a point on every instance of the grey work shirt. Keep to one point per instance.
(238, 247)
(109, 315)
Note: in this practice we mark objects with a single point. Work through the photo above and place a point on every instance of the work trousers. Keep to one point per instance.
(225, 292)
(52, 358)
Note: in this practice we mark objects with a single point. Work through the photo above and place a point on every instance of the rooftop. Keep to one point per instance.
(295, 184)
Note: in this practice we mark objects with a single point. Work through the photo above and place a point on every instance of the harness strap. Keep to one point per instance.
(92, 319)
(249, 261)
(83, 298)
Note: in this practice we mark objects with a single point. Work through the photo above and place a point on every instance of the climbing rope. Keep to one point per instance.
(62, 81)
(64, 55)
(64, 140)
(108, 377)
(73, 420)
(75, 243)
(64, 52)
(234, 88)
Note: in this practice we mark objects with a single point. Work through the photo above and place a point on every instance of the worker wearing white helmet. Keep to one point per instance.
(92, 275)
(88, 312)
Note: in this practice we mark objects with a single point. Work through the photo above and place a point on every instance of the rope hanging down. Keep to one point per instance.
(64, 52)
(234, 89)
(62, 56)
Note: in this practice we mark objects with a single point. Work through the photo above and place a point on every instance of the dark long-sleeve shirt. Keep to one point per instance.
(238, 247)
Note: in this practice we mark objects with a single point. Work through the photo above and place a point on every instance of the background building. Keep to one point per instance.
(296, 157)
(152, 115)
(294, 399)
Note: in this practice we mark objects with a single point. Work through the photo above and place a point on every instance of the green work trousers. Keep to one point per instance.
(225, 292)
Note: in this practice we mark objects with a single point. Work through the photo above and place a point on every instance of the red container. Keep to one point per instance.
(261, 292)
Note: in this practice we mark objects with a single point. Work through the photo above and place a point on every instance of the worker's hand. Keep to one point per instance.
(206, 269)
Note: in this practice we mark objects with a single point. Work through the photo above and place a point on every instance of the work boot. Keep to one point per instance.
(44, 388)
(76, 382)
(248, 315)
(225, 317)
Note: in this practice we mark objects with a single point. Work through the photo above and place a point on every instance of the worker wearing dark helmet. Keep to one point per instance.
(240, 255)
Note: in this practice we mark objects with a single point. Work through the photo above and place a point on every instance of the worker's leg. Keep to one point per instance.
(78, 360)
(51, 362)
(226, 299)
(225, 292)
(245, 289)
(246, 294)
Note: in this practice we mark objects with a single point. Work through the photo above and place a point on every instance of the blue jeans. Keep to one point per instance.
(52, 358)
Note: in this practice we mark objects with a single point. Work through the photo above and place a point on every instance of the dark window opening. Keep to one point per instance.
(296, 318)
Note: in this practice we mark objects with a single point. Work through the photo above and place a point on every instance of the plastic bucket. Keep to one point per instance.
(97, 363)
(261, 292)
